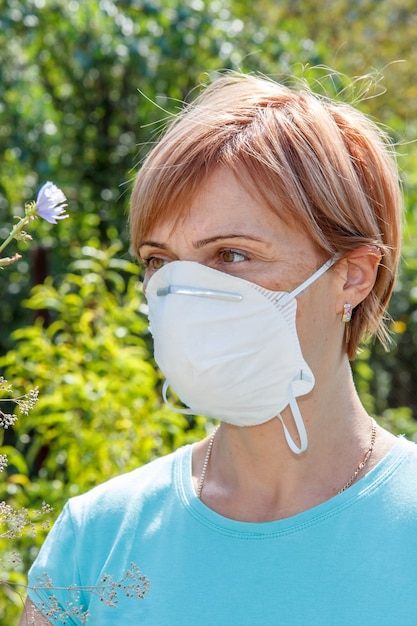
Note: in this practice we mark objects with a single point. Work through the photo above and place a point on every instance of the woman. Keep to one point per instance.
(268, 221)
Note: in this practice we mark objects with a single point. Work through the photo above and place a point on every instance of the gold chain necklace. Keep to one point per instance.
(206, 462)
(346, 486)
(364, 460)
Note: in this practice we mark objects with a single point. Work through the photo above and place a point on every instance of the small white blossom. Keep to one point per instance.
(51, 203)
(7, 419)
(3, 462)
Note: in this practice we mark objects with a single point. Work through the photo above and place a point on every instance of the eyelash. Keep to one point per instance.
(146, 262)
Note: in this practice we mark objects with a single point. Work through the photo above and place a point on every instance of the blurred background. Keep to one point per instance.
(85, 88)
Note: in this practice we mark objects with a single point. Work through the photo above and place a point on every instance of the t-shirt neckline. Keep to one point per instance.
(362, 488)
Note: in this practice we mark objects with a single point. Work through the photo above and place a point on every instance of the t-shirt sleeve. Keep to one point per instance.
(54, 581)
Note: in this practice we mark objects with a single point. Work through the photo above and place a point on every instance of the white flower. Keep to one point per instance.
(51, 203)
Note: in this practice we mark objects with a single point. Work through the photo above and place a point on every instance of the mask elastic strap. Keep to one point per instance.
(311, 279)
(299, 422)
(177, 409)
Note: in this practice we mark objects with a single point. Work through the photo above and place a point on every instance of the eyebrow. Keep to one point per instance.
(152, 244)
(204, 242)
(200, 243)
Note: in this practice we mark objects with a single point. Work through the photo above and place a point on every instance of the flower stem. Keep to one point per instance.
(17, 229)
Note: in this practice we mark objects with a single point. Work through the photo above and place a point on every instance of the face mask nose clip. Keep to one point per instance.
(202, 293)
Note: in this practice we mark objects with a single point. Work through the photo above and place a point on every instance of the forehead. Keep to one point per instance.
(224, 196)
(223, 209)
(219, 199)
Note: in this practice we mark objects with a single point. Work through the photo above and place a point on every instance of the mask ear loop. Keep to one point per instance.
(299, 422)
(309, 281)
(177, 409)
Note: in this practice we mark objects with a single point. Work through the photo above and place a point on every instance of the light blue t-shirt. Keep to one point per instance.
(349, 561)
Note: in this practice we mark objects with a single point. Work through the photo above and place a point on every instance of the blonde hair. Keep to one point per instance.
(319, 163)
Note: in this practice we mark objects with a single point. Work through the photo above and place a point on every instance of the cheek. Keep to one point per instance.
(317, 328)
(275, 278)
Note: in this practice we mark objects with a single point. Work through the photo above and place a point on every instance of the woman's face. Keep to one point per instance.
(227, 229)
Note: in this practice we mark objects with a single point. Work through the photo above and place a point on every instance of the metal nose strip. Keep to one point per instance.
(203, 293)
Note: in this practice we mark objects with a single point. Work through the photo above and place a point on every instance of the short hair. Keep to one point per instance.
(319, 163)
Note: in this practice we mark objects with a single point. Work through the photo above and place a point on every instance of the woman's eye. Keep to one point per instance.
(154, 263)
(231, 256)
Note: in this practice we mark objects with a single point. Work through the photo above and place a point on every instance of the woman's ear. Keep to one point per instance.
(359, 270)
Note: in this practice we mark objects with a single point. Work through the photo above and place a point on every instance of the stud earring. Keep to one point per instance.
(347, 313)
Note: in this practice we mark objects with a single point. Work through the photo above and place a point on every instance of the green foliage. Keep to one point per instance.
(99, 409)
(99, 412)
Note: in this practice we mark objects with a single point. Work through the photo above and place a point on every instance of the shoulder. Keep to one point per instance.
(128, 493)
(111, 518)
(407, 464)
(407, 451)
(395, 484)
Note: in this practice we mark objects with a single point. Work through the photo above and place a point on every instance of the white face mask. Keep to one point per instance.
(228, 347)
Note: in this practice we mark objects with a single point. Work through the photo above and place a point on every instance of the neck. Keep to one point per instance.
(253, 475)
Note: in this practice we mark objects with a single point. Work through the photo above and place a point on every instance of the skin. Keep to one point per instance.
(252, 475)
